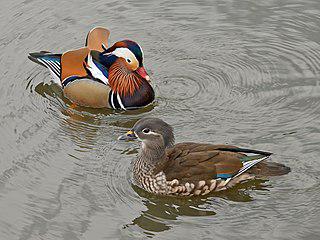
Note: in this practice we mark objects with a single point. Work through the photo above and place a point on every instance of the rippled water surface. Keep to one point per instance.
(240, 72)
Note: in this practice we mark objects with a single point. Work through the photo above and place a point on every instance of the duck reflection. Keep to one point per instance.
(163, 210)
(81, 125)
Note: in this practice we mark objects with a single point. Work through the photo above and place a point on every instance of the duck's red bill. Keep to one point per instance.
(143, 73)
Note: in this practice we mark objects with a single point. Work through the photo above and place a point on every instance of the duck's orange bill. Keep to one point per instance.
(143, 73)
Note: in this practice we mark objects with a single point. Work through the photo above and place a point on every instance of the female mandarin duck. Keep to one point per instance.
(97, 76)
(188, 169)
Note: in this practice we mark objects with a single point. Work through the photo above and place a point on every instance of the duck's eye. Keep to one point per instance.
(128, 60)
(146, 130)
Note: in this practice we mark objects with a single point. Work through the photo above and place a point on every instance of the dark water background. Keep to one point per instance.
(238, 72)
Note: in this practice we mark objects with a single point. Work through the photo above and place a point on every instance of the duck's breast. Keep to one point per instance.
(88, 93)
(141, 97)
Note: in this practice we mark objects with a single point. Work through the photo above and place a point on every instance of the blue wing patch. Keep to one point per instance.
(224, 175)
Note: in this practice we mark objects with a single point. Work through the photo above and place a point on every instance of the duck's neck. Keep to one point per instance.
(123, 80)
(149, 157)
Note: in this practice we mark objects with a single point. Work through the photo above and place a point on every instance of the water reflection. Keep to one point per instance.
(82, 124)
(162, 211)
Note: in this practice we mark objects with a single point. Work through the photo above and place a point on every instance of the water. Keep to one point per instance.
(238, 72)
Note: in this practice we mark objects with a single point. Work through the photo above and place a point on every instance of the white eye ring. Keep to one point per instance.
(128, 60)
(146, 130)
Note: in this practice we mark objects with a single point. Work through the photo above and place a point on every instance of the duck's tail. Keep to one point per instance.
(50, 61)
(267, 168)
(255, 163)
(262, 168)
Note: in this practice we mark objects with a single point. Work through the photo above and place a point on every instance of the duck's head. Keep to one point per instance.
(130, 55)
(152, 132)
(126, 51)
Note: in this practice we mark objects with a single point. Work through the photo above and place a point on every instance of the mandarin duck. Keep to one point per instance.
(188, 169)
(97, 76)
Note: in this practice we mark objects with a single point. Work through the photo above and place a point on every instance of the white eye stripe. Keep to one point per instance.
(125, 53)
(151, 133)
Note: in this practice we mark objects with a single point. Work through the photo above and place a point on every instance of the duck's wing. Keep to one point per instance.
(73, 65)
(190, 162)
(76, 64)
(65, 67)
(80, 63)
(49, 60)
(97, 39)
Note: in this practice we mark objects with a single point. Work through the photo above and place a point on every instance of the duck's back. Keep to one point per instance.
(190, 162)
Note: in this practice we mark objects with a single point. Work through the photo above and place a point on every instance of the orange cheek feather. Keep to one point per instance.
(122, 79)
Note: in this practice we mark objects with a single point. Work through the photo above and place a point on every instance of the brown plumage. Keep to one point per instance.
(72, 63)
(191, 162)
(191, 168)
(97, 39)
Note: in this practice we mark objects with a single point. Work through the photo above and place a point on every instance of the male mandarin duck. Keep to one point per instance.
(188, 169)
(97, 76)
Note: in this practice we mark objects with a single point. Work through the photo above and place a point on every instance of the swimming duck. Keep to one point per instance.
(97, 76)
(188, 169)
